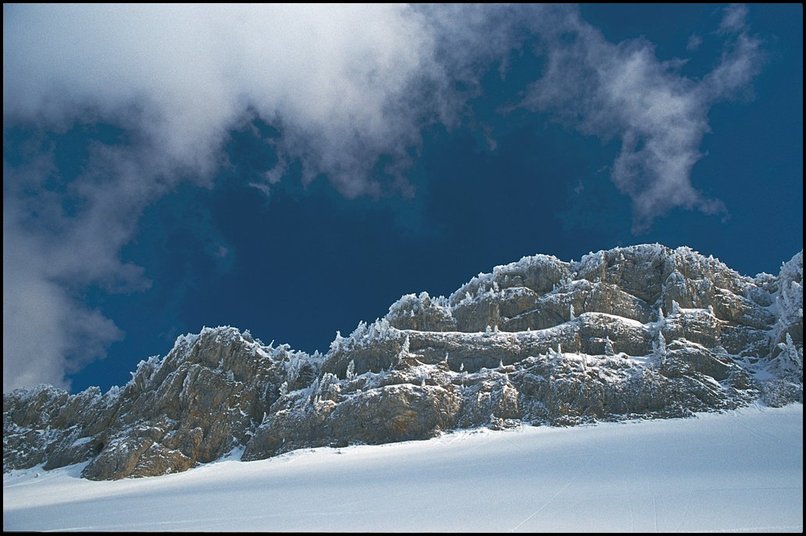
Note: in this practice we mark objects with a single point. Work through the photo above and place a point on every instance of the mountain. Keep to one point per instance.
(635, 331)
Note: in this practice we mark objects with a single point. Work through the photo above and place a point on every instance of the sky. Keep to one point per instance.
(734, 471)
(295, 169)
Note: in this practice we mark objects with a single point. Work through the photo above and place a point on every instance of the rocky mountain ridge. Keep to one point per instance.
(637, 331)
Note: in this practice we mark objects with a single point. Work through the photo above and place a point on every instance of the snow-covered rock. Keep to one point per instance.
(641, 330)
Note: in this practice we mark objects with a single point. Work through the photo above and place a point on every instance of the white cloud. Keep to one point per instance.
(47, 333)
(335, 77)
(733, 18)
(624, 91)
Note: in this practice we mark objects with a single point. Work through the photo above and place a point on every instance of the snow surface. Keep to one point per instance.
(735, 471)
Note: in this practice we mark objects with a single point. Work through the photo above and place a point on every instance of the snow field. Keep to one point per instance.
(735, 471)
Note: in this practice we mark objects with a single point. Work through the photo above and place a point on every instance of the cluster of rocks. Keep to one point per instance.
(638, 331)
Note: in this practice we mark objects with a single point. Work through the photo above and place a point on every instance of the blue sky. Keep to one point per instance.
(293, 170)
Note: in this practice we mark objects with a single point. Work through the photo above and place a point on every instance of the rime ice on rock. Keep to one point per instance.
(642, 330)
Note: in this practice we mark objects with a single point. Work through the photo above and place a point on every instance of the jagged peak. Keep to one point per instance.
(26, 393)
(226, 335)
(415, 301)
(789, 297)
(185, 349)
(648, 250)
(682, 259)
(503, 275)
(379, 329)
(793, 268)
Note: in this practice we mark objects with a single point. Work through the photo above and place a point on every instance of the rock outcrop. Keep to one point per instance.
(636, 331)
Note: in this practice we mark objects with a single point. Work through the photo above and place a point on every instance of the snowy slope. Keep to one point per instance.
(735, 471)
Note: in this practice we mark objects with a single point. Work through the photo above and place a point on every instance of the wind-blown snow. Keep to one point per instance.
(735, 471)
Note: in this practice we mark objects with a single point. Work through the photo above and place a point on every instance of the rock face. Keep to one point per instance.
(190, 407)
(636, 331)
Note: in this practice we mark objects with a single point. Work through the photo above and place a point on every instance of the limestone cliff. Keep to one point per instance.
(635, 331)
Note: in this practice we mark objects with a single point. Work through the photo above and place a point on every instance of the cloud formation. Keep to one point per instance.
(334, 77)
(344, 85)
(623, 90)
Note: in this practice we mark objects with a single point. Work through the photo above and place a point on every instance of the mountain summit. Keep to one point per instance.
(640, 331)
